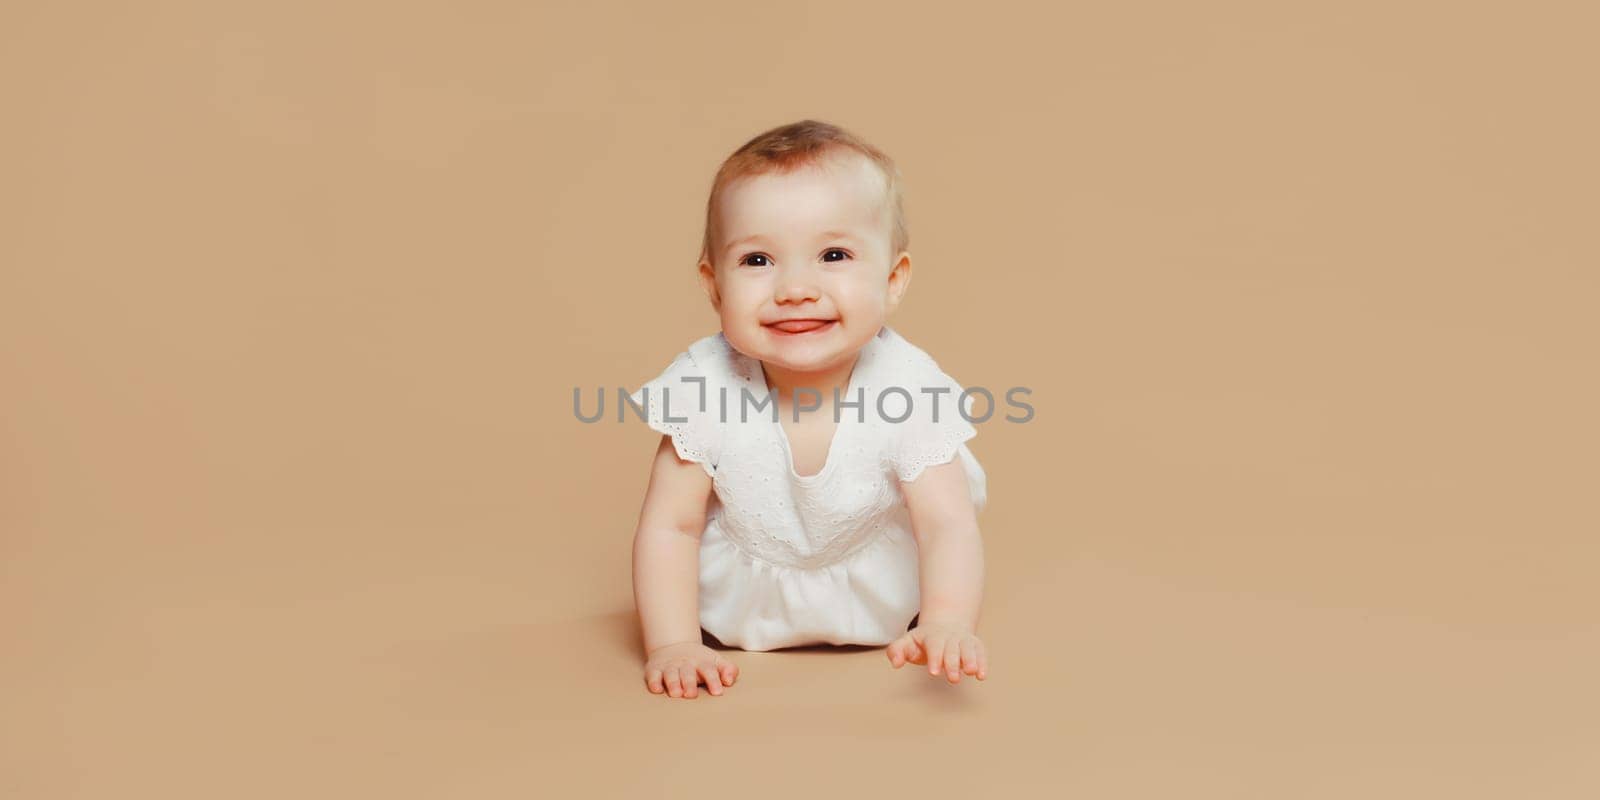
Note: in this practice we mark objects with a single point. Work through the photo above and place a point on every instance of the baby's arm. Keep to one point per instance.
(666, 578)
(950, 567)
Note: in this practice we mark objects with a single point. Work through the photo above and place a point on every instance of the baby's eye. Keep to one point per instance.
(747, 258)
(843, 254)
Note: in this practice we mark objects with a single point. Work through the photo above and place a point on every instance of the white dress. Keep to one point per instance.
(789, 559)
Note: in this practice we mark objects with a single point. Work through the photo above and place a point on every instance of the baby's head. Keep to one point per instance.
(805, 222)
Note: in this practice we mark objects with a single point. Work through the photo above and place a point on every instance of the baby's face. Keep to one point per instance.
(813, 244)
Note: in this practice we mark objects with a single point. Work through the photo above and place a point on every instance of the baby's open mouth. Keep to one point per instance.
(793, 326)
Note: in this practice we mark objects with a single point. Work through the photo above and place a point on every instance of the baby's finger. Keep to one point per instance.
(713, 680)
(895, 652)
(691, 683)
(728, 671)
(952, 659)
(652, 679)
(934, 646)
(969, 655)
(911, 650)
(674, 683)
(983, 661)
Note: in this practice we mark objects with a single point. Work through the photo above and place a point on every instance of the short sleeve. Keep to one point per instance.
(678, 403)
(935, 428)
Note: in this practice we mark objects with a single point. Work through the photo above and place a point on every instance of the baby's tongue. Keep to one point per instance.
(799, 325)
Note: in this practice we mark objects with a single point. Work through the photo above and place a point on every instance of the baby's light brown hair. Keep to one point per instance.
(787, 148)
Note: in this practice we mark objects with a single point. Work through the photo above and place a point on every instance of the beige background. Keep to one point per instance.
(294, 297)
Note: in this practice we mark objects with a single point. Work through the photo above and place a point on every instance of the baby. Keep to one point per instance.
(765, 528)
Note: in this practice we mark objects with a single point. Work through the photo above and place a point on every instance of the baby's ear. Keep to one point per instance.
(899, 279)
(708, 282)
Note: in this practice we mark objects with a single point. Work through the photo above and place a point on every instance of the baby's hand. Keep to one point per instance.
(954, 649)
(678, 668)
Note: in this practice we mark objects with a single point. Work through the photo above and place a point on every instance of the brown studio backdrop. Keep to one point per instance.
(293, 298)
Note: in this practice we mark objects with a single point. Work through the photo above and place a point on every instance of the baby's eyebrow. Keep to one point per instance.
(756, 237)
(737, 242)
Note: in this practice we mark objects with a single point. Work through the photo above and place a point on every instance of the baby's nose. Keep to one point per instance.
(793, 292)
(795, 285)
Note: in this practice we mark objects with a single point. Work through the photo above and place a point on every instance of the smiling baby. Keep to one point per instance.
(766, 522)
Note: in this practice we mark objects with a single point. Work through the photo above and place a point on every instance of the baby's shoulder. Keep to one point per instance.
(683, 399)
(710, 359)
(907, 369)
(929, 420)
(716, 359)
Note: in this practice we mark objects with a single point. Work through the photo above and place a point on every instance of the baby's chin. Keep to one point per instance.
(815, 351)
